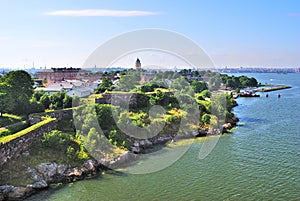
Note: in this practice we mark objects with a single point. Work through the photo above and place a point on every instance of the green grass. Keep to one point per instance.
(13, 129)
(6, 139)
(13, 116)
(8, 119)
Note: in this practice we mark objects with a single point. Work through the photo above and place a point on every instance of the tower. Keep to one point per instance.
(138, 65)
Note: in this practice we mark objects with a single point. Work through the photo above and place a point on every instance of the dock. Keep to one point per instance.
(275, 88)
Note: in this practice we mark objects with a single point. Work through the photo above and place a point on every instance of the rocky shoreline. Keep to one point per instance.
(51, 173)
(46, 174)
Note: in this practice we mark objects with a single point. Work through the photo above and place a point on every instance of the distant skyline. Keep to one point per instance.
(63, 33)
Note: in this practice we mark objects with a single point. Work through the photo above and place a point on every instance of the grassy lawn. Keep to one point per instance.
(8, 119)
(8, 138)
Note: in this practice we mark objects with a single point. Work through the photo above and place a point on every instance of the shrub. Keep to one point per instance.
(206, 119)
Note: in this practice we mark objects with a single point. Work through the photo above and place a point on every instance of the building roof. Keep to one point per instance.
(66, 85)
(50, 89)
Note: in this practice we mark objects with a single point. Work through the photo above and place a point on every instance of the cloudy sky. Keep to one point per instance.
(233, 33)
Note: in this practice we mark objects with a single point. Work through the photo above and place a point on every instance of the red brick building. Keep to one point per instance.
(60, 74)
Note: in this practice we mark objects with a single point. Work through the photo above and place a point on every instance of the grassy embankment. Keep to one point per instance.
(6, 139)
(10, 124)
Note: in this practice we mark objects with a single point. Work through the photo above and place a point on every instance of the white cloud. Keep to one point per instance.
(100, 12)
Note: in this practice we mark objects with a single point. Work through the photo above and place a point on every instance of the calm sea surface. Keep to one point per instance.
(260, 160)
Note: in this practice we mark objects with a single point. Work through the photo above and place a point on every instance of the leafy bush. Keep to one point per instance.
(56, 139)
(72, 147)
(206, 119)
(205, 94)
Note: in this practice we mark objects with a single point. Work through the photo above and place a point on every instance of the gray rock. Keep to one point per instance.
(142, 143)
(148, 143)
(75, 172)
(89, 166)
(62, 169)
(26, 153)
(136, 149)
(6, 189)
(34, 174)
(38, 185)
(17, 193)
(36, 177)
(48, 170)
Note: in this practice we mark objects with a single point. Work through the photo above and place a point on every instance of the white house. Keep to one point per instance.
(80, 92)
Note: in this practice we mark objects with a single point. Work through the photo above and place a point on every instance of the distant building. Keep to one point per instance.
(72, 88)
(56, 87)
(145, 77)
(60, 74)
(138, 64)
(81, 92)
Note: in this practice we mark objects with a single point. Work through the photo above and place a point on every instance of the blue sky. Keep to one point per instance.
(58, 33)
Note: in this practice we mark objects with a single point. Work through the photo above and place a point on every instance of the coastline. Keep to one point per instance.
(53, 175)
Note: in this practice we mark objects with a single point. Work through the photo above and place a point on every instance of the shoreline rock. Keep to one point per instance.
(49, 173)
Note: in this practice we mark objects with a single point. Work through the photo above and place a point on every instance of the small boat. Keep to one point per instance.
(249, 93)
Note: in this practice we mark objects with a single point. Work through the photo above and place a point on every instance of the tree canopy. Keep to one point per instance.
(19, 91)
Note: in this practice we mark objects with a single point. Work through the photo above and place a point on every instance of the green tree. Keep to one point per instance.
(215, 82)
(5, 98)
(22, 89)
(57, 100)
(37, 95)
(106, 85)
(129, 81)
(198, 86)
(97, 144)
(230, 83)
(36, 106)
(67, 101)
(45, 100)
(105, 116)
(180, 83)
(92, 141)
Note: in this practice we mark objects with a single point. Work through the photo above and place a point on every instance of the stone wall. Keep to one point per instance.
(58, 114)
(19, 145)
(126, 97)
